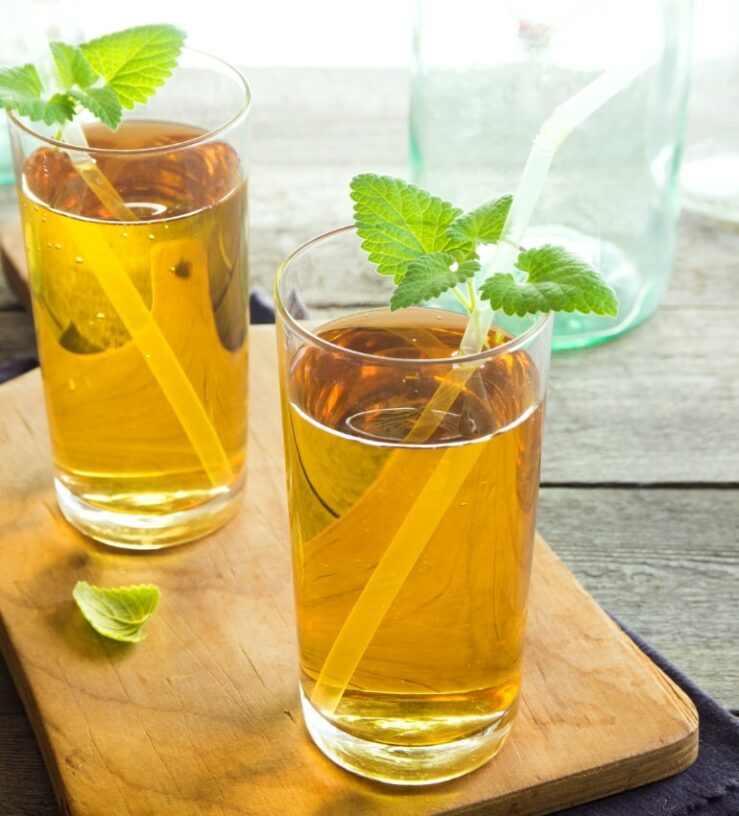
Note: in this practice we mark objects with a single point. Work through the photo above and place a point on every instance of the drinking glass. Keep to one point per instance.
(136, 249)
(412, 479)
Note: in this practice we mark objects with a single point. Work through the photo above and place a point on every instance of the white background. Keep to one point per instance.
(374, 33)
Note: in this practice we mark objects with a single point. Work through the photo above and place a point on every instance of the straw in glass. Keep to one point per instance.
(140, 324)
(437, 494)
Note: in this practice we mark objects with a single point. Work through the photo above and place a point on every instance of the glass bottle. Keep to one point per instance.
(487, 75)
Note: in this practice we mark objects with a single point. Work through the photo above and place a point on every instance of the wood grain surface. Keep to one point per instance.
(203, 717)
(651, 529)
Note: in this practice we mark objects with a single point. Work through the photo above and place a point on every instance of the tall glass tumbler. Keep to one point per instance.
(486, 77)
(136, 248)
(412, 478)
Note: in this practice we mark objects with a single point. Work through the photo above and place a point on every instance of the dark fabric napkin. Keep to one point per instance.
(710, 787)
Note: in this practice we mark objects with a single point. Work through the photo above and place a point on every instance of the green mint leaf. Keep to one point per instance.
(484, 224)
(71, 66)
(21, 90)
(54, 111)
(135, 62)
(430, 275)
(557, 281)
(118, 612)
(102, 103)
(19, 85)
(398, 222)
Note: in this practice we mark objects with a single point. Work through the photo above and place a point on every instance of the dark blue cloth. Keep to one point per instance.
(15, 368)
(710, 787)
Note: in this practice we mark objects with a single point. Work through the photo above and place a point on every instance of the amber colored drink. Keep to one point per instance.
(118, 444)
(445, 662)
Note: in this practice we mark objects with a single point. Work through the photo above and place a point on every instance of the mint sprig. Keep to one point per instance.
(117, 612)
(104, 76)
(430, 247)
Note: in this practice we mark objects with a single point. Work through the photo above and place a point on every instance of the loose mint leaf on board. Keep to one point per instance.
(102, 103)
(117, 612)
(21, 90)
(71, 66)
(483, 225)
(398, 222)
(556, 281)
(428, 276)
(136, 61)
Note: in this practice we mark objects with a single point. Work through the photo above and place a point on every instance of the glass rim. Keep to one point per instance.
(234, 120)
(514, 344)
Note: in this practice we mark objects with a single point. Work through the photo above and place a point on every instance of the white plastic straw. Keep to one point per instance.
(565, 118)
(420, 522)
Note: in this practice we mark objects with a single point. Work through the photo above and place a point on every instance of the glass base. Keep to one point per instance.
(147, 531)
(402, 764)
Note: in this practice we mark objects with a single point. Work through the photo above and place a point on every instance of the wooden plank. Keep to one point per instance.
(203, 717)
(654, 406)
(626, 548)
(665, 562)
(636, 552)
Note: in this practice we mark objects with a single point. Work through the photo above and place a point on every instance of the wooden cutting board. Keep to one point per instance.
(203, 717)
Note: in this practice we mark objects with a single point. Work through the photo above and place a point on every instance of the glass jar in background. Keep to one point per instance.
(710, 172)
(486, 77)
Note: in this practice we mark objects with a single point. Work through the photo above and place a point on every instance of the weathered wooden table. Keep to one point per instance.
(640, 482)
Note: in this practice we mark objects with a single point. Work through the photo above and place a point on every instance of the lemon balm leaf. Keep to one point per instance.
(71, 66)
(104, 76)
(57, 109)
(429, 247)
(483, 225)
(102, 103)
(19, 85)
(430, 275)
(117, 612)
(136, 61)
(21, 90)
(398, 222)
(555, 281)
